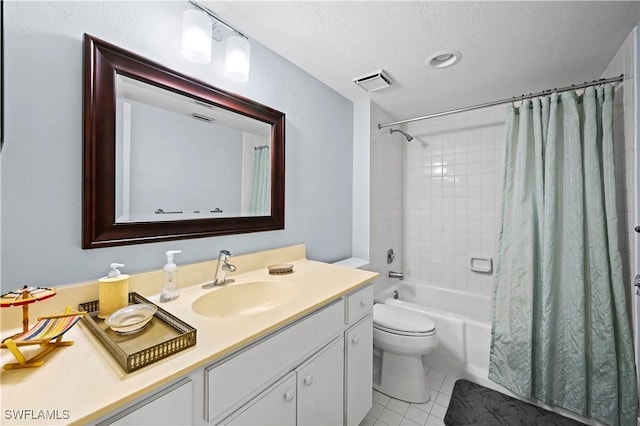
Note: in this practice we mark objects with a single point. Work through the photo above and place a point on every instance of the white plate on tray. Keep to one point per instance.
(132, 318)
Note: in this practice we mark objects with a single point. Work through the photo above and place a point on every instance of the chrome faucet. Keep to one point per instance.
(399, 275)
(222, 267)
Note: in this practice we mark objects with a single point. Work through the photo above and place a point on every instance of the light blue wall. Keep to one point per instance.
(41, 163)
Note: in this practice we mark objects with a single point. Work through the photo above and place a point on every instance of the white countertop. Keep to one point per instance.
(81, 383)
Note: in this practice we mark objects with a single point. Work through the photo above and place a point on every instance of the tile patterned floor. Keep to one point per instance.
(391, 412)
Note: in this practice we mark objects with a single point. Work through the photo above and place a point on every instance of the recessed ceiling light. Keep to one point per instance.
(444, 58)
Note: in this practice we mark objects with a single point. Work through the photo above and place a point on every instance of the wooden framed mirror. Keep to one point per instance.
(169, 157)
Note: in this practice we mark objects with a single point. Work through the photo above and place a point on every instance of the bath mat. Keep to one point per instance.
(473, 404)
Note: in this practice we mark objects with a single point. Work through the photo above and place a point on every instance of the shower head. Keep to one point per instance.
(405, 134)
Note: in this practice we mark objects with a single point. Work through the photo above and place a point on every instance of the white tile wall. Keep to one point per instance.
(386, 197)
(452, 182)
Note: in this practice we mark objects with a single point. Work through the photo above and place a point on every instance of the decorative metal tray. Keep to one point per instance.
(165, 335)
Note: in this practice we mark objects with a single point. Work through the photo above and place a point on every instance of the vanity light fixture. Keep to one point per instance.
(199, 27)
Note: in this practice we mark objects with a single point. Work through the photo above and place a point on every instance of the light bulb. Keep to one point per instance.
(196, 36)
(236, 59)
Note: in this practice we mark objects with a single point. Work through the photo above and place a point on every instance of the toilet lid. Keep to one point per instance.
(401, 319)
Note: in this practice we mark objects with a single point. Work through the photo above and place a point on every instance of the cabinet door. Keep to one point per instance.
(321, 387)
(359, 370)
(275, 406)
(170, 406)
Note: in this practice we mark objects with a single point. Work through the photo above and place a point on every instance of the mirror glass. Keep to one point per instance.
(168, 157)
(178, 158)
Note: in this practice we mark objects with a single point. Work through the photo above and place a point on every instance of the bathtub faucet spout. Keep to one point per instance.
(398, 275)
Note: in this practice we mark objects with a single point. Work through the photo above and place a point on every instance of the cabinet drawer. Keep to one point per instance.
(359, 304)
(232, 382)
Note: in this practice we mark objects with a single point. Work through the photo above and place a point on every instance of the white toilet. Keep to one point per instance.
(400, 338)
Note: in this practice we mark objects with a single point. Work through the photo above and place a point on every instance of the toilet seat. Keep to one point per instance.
(402, 321)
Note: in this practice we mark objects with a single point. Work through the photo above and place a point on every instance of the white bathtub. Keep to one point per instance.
(463, 325)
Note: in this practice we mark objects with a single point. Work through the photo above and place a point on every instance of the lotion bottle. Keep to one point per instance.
(170, 289)
(113, 291)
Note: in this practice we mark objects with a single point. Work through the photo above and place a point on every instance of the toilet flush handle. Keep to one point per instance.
(355, 340)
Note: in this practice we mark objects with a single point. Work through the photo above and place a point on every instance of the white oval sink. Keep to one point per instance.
(244, 299)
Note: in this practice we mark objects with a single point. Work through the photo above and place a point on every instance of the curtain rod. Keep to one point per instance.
(506, 101)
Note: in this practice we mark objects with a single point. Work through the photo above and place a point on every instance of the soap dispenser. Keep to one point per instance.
(113, 291)
(170, 290)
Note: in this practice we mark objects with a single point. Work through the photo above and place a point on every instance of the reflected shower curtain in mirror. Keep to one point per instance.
(261, 184)
(560, 330)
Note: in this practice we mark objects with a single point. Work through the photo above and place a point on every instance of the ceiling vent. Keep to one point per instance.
(375, 81)
(202, 117)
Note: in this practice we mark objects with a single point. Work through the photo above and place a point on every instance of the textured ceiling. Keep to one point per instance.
(508, 48)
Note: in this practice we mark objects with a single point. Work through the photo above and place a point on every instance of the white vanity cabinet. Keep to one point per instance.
(333, 384)
(172, 405)
(235, 381)
(317, 370)
(309, 395)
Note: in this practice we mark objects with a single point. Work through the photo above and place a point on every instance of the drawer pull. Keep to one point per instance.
(363, 303)
(355, 340)
(288, 395)
(308, 380)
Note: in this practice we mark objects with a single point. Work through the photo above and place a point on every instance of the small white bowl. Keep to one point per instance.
(131, 318)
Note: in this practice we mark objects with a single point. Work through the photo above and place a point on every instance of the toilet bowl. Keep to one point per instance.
(400, 338)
